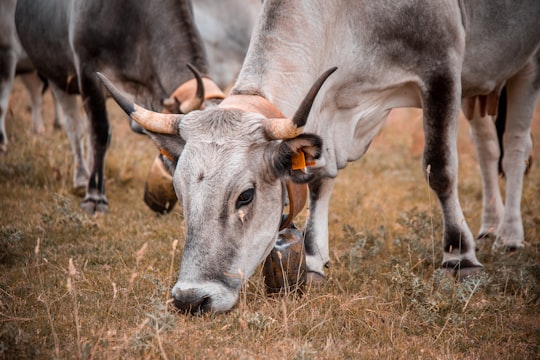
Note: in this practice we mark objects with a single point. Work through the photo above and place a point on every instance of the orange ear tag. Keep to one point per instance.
(298, 161)
(166, 154)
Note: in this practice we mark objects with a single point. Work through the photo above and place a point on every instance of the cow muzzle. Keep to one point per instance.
(159, 192)
(204, 297)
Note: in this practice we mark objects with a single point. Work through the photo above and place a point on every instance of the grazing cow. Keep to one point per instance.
(13, 60)
(231, 160)
(142, 45)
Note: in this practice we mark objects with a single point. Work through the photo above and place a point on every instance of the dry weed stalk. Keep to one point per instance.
(171, 267)
(42, 297)
(72, 273)
(430, 203)
(134, 274)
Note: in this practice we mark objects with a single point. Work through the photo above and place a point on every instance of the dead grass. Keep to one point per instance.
(74, 286)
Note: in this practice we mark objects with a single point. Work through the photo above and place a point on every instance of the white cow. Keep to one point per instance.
(231, 160)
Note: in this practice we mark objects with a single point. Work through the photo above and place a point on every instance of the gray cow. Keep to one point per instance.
(142, 45)
(231, 160)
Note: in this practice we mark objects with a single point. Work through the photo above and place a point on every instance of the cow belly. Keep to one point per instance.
(496, 45)
(43, 31)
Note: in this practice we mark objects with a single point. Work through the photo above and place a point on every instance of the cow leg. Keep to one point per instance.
(484, 136)
(7, 73)
(440, 166)
(75, 126)
(34, 85)
(522, 92)
(94, 104)
(316, 232)
(58, 122)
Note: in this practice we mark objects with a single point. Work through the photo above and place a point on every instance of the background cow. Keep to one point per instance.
(144, 46)
(225, 28)
(13, 60)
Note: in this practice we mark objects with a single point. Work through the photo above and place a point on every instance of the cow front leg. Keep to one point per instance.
(94, 104)
(316, 232)
(522, 92)
(440, 166)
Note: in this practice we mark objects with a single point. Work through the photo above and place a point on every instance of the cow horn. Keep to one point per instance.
(149, 120)
(197, 101)
(285, 128)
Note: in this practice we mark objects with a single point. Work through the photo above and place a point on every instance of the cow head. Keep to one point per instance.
(229, 167)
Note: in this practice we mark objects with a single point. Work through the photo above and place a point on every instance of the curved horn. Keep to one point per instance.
(289, 128)
(149, 120)
(197, 101)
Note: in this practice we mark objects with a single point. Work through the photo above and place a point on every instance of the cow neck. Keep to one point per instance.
(297, 193)
(188, 90)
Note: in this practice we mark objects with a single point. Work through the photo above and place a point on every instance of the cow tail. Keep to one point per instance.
(500, 125)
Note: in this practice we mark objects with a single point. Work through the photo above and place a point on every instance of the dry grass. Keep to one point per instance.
(75, 286)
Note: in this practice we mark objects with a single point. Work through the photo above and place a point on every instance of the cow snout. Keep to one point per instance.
(189, 302)
(190, 298)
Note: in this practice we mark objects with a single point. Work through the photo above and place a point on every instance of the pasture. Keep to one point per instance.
(98, 287)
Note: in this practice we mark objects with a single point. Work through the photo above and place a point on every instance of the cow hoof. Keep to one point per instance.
(88, 207)
(102, 206)
(500, 245)
(91, 206)
(315, 279)
(461, 270)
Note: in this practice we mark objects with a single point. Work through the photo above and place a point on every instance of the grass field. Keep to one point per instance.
(98, 287)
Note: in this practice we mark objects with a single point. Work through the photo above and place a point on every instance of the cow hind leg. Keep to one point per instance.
(34, 85)
(522, 92)
(75, 126)
(484, 136)
(7, 73)
(58, 121)
(440, 165)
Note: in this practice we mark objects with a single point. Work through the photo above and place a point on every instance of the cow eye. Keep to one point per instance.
(245, 198)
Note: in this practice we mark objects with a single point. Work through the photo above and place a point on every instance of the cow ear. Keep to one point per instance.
(169, 145)
(292, 156)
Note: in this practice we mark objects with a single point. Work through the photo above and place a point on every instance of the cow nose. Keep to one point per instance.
(189, 302)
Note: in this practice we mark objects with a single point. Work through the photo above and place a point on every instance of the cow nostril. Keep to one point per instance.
(206, 304)
(193, 305)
